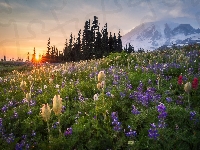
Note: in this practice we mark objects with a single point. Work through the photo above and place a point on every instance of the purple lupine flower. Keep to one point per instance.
(131, 133)
(108, 94)
(134, 110)
(55, 125)
(23, 143)
(115, 82)
(149, 81)
(153, 132)
(63, 109)
(27, 146)
(162, 111)
(140, 87)
(1, 123)
(115, 122)
(157, 97)
(63, 84)
(32, 103)
(24, 136)
(39, 91)
(10, 138)
(116, 77)
(168, 99)
(167, 92)
(10, 103)
(29, 112)
(122, 94)
(24, 101)
(162, 115)
(179, 101)
(1, 127)
(161, 124)
(81, 98)
(129, 86)
(15, 115)
(131, 96)
(192, 115)
(117, 126)
(68, 131)
(33, 133)
(18, 146)
(185, 78)
(4, 108)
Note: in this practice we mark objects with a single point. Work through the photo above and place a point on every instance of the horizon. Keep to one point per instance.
(23, 31)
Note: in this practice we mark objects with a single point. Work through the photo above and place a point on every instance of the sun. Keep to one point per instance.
(37, 58)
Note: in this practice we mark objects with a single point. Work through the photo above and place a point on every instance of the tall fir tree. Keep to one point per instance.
(33, 56)
(119, 43)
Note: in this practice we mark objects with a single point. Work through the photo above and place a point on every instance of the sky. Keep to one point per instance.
(25, 24)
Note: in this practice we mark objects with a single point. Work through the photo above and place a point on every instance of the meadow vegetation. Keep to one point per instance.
(123, 101)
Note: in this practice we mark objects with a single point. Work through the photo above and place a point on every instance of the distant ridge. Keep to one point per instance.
(153, 35)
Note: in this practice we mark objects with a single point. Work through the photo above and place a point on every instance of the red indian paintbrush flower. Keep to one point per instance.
(180, 80)
(195, 83)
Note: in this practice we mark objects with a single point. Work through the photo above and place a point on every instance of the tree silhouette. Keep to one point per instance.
(93, 44)
(33, 56)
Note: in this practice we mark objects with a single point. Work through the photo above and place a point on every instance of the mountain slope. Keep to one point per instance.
(153, 35)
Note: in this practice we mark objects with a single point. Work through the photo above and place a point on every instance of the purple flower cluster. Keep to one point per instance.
(10, 138)
(68, 131)
(15, 115)
(179, 100)
(122, 95)
(29, 112)
(115, 122)
(168, 99)
(54, 125)
(1, 123)
(162, 115)
(192, 115)
(131, 133)
(134, 110)
(108, 94)
(145, 97)
(39, 91)
(1, 127)
(4, 108)
(22, 143)
(162, 67)
(63, 109)
(33, 133)
(32, 103)
(153, 132)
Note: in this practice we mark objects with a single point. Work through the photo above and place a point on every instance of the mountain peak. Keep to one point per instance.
(186, 29)
(152, 35)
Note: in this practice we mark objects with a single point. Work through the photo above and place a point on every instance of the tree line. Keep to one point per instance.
(91, 43)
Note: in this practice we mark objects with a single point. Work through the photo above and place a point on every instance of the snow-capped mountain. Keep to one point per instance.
(153, 35)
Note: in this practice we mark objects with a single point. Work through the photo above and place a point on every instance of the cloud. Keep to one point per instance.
(178, 12)
(38, 20)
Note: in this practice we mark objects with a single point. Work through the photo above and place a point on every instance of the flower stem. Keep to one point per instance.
(189, 99)
(48, 130)
(59, 125)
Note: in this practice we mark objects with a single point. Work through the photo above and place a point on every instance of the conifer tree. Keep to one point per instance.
(104, 45)
(119, 43)
(33, 55)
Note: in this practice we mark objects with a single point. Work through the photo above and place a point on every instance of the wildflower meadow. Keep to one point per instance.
(123, 101)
